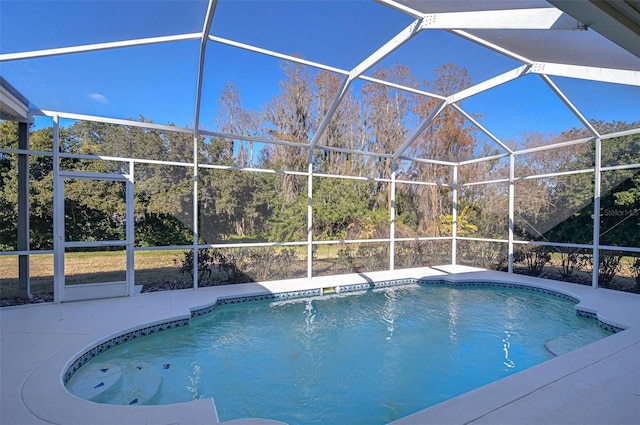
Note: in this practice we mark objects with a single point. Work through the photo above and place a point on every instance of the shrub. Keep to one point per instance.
(635, 272)
(572, 261)
(609, 267)
(534, 257)
(214, 268)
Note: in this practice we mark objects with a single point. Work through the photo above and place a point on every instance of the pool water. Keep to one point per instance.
(359, 358)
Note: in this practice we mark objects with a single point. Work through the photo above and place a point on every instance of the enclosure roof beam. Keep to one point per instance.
(332, 110)
(489, 84)
(317, 65)
(117, 121)
(532, 18)
(461, 95)
(427, 161)
(511, 19)
(489, 45)
(203, 48)
(483, 159)
(418, 131)
(555, 145)
(482, 128)
(232, 136)
(275, 54)
(401, 87)
(605, 75)
(402, 37)
(400, 8)
(570, 105)
(620, 133)
(13, 105)
(353, 151)
(6, 57)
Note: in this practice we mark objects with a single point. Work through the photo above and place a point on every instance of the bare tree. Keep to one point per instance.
(233, 118)
(344, 129)
(291, 116)
(447, 138)
(386, 120)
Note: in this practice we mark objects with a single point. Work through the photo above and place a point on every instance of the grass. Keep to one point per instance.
(90, 267)
(160, 266)
(41, 266)
(153, 266)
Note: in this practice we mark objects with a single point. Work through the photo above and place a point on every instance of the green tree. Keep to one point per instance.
(8, 187)
(341, 206)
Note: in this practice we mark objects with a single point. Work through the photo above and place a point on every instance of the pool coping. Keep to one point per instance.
(43, 398)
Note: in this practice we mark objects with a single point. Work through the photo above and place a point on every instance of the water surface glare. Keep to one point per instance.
(359, 358)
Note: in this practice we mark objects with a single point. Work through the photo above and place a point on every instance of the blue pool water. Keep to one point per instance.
(360, 358)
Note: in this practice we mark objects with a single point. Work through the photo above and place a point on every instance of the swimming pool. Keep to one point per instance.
(340, 368)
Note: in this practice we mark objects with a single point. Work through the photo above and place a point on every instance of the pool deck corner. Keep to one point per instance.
(596, 384)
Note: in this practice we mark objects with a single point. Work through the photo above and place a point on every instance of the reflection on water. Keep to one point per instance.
(505, 346)
(388, 312)
(452, 310)
(309, 316)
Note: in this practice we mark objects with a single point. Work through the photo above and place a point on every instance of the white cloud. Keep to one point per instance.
(98, 98)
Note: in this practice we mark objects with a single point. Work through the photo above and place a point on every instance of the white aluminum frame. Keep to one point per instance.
(63, 292)
(459, 24)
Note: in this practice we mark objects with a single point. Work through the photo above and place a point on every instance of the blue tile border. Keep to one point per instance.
(489, 283)
(117, 340)
(158, 327)
(481, 283)
(147, 330)
(372, 285)
(260, 297)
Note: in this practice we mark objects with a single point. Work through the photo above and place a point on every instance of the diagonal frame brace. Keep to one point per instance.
(461, 95)
(569, 105)
(418, 131)
(482, 128)
(402, 37)
(490, 83)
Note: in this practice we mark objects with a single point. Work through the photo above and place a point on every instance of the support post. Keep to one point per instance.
(310, 215)
(512, 192)
(454, 218)
(392, 217)
(204, 38)
(24, 282)
(58, 217)
(130, 231)
(596, 214)
(195, 221)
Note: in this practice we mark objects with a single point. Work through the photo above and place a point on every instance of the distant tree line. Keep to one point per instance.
(257, 206)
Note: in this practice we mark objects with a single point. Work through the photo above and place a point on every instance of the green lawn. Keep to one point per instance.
(161, 266)
(87, 267)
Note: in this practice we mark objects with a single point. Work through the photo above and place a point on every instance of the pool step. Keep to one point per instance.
(94, 380)
(569, 342)
(139, 385)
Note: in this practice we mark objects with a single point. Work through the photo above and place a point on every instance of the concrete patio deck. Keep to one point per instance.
(596, 384)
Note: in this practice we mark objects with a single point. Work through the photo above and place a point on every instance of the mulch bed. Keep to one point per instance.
(166, 286)
(39, 298)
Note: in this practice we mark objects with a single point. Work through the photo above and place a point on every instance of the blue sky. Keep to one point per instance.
(158, 81)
